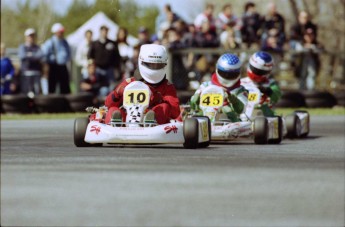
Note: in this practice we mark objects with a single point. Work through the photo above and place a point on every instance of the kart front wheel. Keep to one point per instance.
(260, 130)
(191, 133)
(80, 126)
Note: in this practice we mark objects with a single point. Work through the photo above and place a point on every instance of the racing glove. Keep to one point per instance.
(194, 102)
(156, 99)
(265, 90)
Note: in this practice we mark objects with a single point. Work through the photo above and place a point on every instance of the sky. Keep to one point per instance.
(179, 6)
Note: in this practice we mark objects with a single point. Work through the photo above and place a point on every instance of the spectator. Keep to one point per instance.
(7, 72)
(163, 17)
(81, 53)
(251, 24)
(31, 57)
(106, 56)
(132, 63)
(143, 36)
(189, 36)
(207, 15)
(125, 50)
(271, 42)
(299, 29)
(180, 77)
(273, 23)
(226, 18)
(228, 39)
(309, 62)
(57, 54)
(95, 83)
(206, 37)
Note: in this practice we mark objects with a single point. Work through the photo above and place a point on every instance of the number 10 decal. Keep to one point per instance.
(136, 97)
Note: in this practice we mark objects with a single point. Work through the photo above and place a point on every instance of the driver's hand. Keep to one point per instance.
(156, 99)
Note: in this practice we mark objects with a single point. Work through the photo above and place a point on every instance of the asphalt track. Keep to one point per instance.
(47, 181)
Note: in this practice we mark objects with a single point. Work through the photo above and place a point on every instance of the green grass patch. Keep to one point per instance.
(313, 111)
(42, 116)
(279, 111)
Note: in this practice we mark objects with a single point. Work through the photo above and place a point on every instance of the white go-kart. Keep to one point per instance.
(194, 132)
(260, 129)
(294, 125)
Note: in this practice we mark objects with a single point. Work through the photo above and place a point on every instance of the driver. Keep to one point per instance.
(164, 103)
(227, 76)
(259, 71)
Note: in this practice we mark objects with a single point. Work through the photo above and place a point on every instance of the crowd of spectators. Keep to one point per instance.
(105, 62)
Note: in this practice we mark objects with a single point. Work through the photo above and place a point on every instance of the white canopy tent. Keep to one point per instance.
(94, 24)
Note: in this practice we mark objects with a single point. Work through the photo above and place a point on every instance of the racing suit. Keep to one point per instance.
(271, 94)
(234, 102)
(164, 101)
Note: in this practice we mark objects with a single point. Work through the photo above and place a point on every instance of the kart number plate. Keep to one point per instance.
(132, 97)
(211, 100)
(253, 97)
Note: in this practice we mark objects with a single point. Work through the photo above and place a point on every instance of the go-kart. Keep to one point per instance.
(261, 129)
(194, 132)
(294, 125)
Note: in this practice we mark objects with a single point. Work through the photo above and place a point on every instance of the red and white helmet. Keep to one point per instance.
(260, 66)
(153, 59)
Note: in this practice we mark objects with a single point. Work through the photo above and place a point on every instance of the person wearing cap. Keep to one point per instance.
(57, 54)
(106, 55)
(31, 56)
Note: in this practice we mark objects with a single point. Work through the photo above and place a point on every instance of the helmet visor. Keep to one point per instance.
(230, 75)
(154, 66)
(258, 72)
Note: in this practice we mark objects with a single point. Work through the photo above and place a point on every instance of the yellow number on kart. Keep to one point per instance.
(136, 97)
(211, 100)
(252, 97)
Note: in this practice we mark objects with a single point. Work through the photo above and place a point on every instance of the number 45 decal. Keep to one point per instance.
(211, 100)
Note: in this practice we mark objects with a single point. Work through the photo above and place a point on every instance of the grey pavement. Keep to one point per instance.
(47, 181)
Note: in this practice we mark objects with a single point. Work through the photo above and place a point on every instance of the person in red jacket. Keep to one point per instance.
(164, 103)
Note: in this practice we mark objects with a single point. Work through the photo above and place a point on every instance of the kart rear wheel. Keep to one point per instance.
(80, 126)
(307, 122)
(280, 132)
(293, 126)
(260, 130)
(190, 133)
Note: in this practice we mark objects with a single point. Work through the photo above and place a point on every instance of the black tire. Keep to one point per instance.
(291, 99)
(80, 125)
(319, 99)
(207, 143)
(286, 103)
(280, 132)
(304, 135)
(191, 133)
(79, 102)
(16, 104)
(260, 130)
(293, 126)
(340, 96)
(51, 104)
